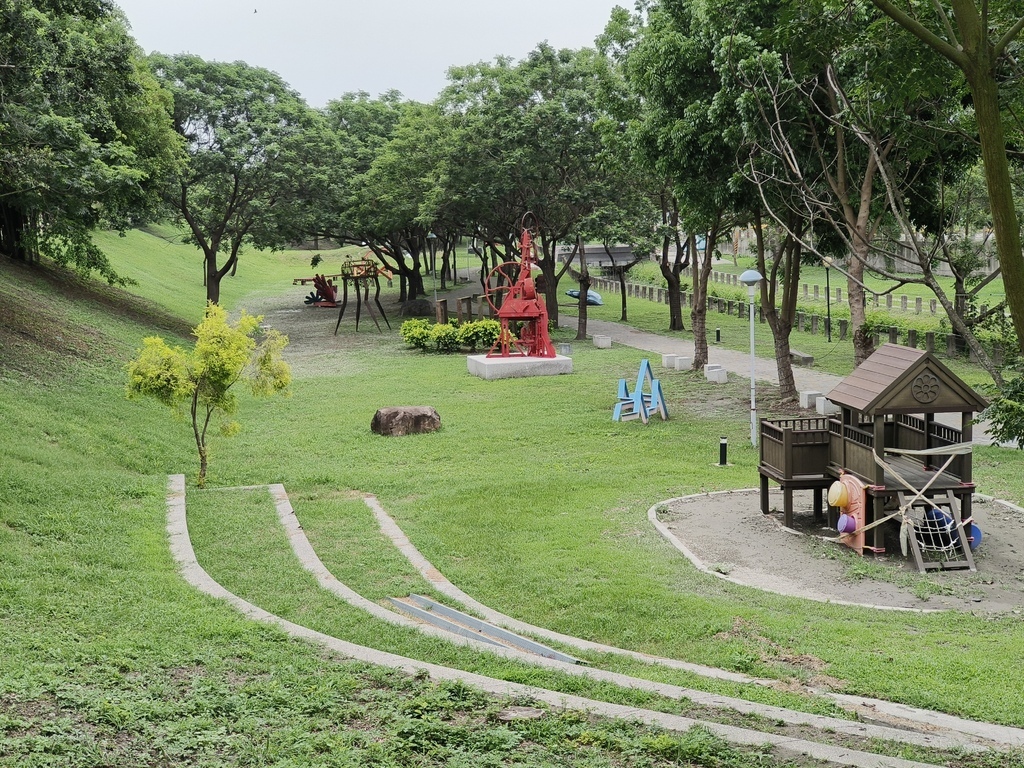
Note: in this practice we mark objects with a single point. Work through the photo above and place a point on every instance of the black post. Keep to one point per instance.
(723, 451)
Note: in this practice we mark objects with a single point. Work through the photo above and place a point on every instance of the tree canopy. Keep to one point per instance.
(838, 127)
(248, 138)
(85, 137)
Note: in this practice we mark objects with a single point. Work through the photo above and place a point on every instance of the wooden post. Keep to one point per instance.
(878, 511)
(966, 461)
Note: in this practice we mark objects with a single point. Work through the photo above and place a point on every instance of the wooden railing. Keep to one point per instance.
(910, 433)
(795, 448)
(851, 446)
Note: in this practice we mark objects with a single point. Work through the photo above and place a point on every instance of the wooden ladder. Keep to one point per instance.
(951, 506)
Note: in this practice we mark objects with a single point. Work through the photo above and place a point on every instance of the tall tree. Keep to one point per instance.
(367, 199)
(527, 140)
(85, 134)
(851, 123)
(679, 131)
(978, 40)
(247, 135)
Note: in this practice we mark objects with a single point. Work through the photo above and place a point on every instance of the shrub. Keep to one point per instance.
(479, 334)
(416, 333)
(1006, 414)
(445, 338)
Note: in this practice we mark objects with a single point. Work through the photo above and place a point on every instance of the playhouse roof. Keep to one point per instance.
(898, 379)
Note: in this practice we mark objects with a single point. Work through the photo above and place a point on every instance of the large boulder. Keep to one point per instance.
(418, 308)
(405, 420)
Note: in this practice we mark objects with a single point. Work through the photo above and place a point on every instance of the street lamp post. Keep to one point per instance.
(828, 300)
(751, 278)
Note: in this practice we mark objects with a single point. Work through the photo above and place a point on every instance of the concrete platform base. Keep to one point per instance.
(517, 367)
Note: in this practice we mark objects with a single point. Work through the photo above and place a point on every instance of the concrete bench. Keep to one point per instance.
(716, 374)
(801, 358)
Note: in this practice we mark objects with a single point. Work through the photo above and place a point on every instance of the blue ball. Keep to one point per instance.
(973, 535)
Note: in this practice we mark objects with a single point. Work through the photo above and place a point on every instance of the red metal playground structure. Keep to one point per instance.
(512, 294)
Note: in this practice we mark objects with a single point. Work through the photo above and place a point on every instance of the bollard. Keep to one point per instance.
(723, 451)
(718, 335)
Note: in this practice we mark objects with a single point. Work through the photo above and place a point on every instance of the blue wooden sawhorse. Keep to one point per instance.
(639, 404)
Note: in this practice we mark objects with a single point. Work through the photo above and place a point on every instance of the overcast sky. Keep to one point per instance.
(325, 48)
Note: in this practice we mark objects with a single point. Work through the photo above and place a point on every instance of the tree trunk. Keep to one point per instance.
(201, 480)
(699, 313)
(780, 315)
(699, 324)
(673, 283)
(548, 269)
(200, 434)
(863, 344)
(622, 293)
(581, 332)
(1005, 226)
(13, 224)
(212, 278)
(787, 384)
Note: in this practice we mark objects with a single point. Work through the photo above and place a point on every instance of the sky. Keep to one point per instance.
(326, 48)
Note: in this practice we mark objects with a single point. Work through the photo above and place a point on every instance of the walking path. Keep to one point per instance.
(737, 363)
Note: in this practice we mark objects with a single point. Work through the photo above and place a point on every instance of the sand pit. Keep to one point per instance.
(727, 535)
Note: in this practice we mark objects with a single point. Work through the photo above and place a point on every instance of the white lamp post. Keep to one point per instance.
(751, 278)
(828, 300)
(432, 248)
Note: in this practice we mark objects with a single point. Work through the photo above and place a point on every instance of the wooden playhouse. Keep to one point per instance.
(885, 435)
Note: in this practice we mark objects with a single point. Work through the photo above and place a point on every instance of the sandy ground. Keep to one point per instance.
(728, 535)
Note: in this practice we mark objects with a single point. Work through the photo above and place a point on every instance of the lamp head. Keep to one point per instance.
(751, 277)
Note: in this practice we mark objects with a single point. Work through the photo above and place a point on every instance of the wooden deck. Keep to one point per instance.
(918, 475)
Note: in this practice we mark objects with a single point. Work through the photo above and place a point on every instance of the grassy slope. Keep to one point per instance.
(111, 659)
(94, 611)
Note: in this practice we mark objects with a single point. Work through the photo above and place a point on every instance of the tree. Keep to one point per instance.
(250, 139)
(1005, 414)
(868, 151)
(676, 126)
(85, 134)
(978, 40)
(199, 383)
(399, 199)
(526, 139)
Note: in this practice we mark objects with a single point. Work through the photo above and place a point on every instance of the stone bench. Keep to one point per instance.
(801, 358)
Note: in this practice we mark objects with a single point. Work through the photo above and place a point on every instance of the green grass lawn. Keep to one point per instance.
(530, 498)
